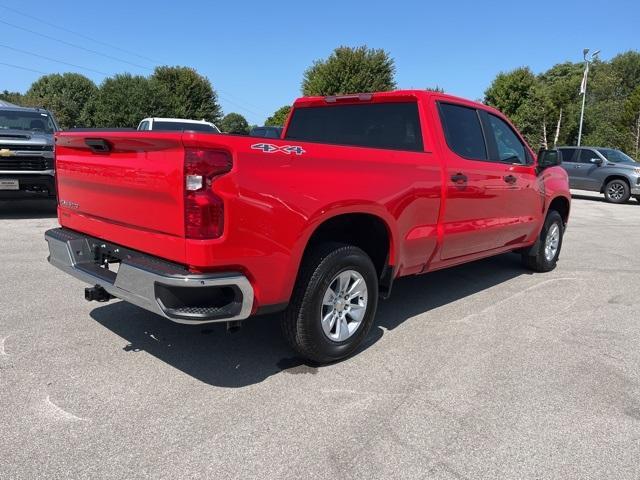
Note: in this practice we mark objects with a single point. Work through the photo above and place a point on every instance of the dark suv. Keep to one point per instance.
(603, 170)
(26, 152)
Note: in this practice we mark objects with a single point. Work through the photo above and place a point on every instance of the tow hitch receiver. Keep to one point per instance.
(97, 293)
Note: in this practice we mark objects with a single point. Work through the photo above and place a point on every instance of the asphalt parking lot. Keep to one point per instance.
(482, 371)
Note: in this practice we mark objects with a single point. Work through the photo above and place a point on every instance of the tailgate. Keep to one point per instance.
(125, 187)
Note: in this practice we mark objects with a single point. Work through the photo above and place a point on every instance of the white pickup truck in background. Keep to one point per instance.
(177, 124)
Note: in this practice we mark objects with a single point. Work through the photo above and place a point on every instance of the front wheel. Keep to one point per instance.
(333, 303)
(617, 191)
(543, 255)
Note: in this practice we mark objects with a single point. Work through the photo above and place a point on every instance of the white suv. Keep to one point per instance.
(177, 124)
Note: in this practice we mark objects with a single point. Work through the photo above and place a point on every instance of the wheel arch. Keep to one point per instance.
(614, 176)
(363, 229)
(562, 205)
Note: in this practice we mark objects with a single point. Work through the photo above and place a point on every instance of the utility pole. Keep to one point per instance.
(583, 86)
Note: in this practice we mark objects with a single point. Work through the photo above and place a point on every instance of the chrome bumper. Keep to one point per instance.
(141, 279)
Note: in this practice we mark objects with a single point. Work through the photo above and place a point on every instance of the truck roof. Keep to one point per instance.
(6, 106)
(392, 96)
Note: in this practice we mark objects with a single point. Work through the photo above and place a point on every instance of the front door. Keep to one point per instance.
(585, 176)
(524, 198)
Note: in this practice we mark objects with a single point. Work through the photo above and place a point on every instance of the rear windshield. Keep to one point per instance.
(394, 126)
(180, 126)
(29, 121)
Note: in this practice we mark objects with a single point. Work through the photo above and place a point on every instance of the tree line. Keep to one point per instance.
(545, 107)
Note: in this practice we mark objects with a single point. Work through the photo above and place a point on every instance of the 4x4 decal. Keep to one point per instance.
(271, 148)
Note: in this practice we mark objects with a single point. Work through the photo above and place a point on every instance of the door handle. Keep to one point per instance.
(459, 178)
(510, 179)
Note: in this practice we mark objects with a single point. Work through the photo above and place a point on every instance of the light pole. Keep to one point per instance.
(583, 86)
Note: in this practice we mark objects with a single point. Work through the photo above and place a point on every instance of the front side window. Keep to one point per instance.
(510, 148)
(463, 131)
(144, 125)
(588, 156)
(393, 126)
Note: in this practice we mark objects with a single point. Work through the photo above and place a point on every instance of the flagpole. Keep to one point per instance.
(584, 97)
(583, 87)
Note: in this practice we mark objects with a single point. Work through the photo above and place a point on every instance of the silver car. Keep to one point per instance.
(603, 170)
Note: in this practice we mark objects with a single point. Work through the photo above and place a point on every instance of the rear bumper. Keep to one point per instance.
(31, 185)
(156, 285)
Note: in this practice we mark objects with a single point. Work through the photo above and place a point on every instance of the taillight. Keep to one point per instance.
(203, 209)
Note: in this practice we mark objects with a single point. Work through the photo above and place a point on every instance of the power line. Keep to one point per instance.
(86, 37)
(76, 46)
(26, 52)
(222, 93)
(22, 68)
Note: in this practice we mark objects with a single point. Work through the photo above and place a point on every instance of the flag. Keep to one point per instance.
(583, 85)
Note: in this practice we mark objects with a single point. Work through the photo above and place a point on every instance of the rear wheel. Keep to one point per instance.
(543, 255)
(333, 303)
(617, 191)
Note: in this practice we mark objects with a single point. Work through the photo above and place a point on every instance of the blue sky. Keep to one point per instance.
(255, 53)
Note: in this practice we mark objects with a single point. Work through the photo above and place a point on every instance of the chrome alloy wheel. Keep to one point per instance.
(616, 191)
(344, 305)
(552, 242)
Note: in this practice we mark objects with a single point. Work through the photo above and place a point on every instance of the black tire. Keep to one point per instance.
(617, 185)
(534, 257)
(301, 323)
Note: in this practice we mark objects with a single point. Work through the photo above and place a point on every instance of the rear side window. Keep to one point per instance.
(463, 131)
(393, 126)
(568, 155)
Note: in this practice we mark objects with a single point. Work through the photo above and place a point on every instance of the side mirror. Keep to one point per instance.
(596, 161)
(548, 158)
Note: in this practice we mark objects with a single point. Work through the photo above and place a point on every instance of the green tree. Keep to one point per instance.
(123, 100)
(234, 123)
(64, 94)
(630, 122)
(350, 70)
(279, 117)
(510, 90)
(187, 94)
(12, 97)
(520, 96)
(627, 67)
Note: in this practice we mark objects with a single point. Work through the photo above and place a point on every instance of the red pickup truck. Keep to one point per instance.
(358, 191)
